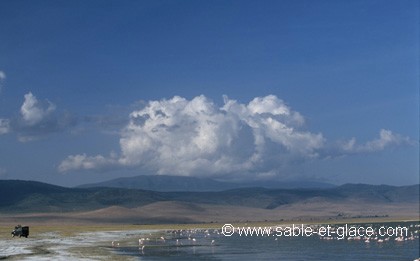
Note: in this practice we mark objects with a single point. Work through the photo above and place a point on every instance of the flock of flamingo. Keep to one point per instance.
(180, 237)
(202, 237)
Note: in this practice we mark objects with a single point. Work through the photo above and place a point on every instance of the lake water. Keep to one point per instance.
(212, 245)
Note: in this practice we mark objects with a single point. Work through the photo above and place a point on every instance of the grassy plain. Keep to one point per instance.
(71, 229)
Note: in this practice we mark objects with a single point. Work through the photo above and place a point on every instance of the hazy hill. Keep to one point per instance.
(178, 183)
(15, 191)
(30, 196)
(164, 183)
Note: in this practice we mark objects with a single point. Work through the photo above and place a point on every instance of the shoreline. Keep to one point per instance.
(72, 228)
(85, 241)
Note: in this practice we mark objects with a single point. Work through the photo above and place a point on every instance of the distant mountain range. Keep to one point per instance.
(18, 196)
(177, 183)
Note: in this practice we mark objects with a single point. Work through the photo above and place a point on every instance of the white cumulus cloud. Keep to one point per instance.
(386, 139)
(32, 111)
(37, 119)
(4, 126)
(82, 161)
(197, 137)
(2, 78)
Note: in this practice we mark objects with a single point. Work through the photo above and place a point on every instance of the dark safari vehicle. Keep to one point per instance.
(20, 231)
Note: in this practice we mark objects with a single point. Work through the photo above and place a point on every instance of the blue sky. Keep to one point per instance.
(233, 90)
